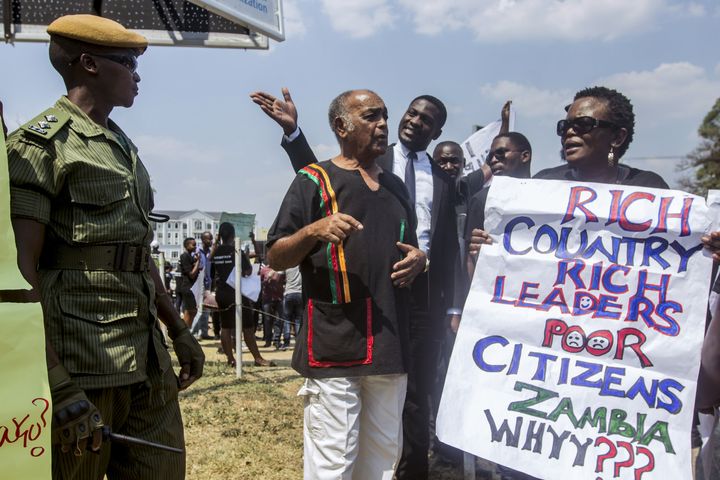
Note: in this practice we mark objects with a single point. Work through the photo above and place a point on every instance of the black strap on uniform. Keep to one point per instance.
(121, 257)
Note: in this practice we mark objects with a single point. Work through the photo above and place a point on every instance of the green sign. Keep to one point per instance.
(244, 223)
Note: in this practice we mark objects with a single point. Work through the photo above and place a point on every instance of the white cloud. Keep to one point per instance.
(358, 18)
(294, 21)
(324, 151)
(577, 20)
(670, 91)
(696, 10)
(528, 100)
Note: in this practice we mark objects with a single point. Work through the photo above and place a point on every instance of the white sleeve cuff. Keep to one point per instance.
(292, 136)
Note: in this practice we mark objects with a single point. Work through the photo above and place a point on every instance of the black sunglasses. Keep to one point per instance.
(128, 61)
(582, 125)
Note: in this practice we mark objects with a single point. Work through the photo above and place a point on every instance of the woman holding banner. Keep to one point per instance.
(595, 134)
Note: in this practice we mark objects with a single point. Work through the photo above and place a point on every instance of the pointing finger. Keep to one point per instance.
(349, 219)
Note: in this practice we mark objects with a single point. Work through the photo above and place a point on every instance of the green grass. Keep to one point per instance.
(251, 429)
(243, 429)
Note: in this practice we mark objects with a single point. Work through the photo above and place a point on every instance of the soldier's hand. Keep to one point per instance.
(335, 228)
(405, 271)
(283, 112)
(478, 238)
(76, 421)
(190, 356)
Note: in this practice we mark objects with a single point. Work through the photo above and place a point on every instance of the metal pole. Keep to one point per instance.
(161, 270)
(468, 466)
(238, 309)
(7, 20)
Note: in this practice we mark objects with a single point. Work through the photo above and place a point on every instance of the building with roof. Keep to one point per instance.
(182, 224)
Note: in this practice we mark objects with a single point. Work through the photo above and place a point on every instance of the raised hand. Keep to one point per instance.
(505, 117)
(505, 113)
(283, 112)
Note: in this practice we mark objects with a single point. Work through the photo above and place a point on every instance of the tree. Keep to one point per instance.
(704, 161)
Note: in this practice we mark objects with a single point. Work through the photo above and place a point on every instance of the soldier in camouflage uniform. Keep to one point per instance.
(80, 205)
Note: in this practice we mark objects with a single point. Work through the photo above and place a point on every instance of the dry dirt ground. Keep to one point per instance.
(251, 428)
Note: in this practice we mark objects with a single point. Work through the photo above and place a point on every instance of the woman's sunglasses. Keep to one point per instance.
(582, 125)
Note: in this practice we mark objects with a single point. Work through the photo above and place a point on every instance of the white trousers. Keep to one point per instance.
(353, 427)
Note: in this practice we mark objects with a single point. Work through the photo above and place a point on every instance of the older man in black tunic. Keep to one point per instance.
(351, 228)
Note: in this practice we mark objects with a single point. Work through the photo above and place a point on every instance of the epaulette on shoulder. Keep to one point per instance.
(47, 124)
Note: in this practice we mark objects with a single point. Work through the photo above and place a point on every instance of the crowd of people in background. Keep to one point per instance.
(275, 317)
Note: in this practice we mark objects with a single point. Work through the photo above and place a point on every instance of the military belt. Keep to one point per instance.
(121, 257)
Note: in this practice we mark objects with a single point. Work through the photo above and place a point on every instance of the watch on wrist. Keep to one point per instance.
(454, 311)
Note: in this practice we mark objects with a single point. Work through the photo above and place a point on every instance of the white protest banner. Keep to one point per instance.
(579, 348)
(198, 287)
(477, 146)
(250, 286)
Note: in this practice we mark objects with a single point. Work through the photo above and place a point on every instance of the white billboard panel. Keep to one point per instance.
(171, 22)
(264, 16)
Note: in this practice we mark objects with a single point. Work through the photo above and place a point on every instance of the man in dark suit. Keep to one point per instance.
(434, 194)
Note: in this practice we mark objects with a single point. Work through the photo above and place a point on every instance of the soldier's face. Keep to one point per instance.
(119, 76)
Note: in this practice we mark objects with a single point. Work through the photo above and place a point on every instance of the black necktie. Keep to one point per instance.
(410, 175)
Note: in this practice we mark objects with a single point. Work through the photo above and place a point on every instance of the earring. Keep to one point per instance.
(611, 157)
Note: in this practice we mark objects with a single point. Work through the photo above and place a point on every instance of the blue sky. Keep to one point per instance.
(208, 146)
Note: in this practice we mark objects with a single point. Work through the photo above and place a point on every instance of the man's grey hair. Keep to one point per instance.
(338, 109)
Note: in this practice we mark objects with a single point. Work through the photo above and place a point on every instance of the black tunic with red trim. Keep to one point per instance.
(355, 321)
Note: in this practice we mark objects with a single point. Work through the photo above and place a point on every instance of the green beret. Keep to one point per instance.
(97, 31)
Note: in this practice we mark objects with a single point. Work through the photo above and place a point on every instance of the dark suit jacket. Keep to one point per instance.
(433, 292)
